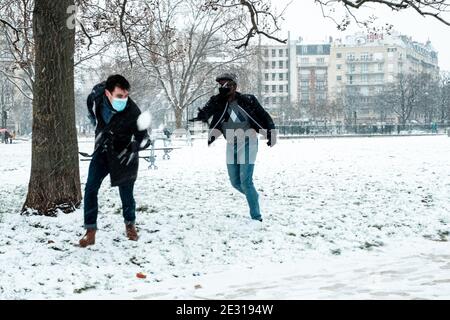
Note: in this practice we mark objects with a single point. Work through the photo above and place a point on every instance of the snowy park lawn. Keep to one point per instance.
(356, 218)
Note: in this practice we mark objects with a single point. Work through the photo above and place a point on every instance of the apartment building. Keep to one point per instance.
(363, 63)
(275, 78)
(351, 71)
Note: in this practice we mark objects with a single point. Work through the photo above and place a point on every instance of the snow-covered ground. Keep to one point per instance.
(344, 218)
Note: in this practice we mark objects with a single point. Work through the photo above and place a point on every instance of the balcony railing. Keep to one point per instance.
(359, 60)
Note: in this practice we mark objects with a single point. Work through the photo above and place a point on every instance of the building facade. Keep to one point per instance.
(275, 77)
(340, 80)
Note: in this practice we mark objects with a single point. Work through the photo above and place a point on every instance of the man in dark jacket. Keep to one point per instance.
(239, 117)
(117, 143)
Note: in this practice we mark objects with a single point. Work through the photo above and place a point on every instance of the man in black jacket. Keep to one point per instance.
(239, 118)
(117, 143)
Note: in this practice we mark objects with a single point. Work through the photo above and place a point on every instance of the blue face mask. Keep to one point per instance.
(119, 104)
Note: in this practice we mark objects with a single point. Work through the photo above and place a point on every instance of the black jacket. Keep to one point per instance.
(260, 120)
(116, 136)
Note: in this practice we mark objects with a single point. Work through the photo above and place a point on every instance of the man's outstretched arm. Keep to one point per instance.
(206, 112)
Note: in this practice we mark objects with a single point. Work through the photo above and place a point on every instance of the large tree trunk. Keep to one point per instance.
(55, 178)
(179, 118)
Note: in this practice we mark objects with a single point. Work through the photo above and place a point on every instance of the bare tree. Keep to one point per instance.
(427, 98)
(352, 106)
(383, 105)
(193, 42)
(259, 18)
(343, 12)
(16, 28)
(403, 96)
(444, 99)
(55, 177)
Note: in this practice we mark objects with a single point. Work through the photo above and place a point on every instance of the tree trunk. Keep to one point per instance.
(55, 178)
(179, 118)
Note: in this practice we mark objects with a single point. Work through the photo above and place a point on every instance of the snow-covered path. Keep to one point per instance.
(403, 271)
(344, 218)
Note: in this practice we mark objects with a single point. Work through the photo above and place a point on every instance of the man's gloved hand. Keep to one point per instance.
(145, 144)
(92, 120)
(200, 117)
(129, 153)
(272, 137)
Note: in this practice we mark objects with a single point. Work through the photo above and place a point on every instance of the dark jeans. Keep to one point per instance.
(98, 170)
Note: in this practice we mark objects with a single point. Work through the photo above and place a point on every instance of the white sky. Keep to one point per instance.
(304, 18)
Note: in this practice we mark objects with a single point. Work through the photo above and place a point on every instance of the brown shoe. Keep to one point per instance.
(88, 239)
(132, 232)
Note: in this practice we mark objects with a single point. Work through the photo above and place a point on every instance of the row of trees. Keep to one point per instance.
(417, 97)
(420, 98)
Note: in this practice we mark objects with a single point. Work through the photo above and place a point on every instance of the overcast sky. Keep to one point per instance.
(304, 18)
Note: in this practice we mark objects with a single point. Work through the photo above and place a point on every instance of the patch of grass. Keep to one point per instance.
(86, 288)
(336, 252)
(370, 245)
(292, 234)
(442, 236)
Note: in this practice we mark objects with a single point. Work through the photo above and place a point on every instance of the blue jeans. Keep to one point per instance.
(98, 170)
(241, 177)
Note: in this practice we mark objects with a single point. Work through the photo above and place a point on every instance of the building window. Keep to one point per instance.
(339, 66)
(267, 65)
(281, 88)
(320, 60)
(305, 60)
(274, 76)
(274, 53)
(281, 76)
(281, 64)
(366, 56)
(280, 52)
(274, 64)
(339, 78)
(364, 67)
(339, 55)
(352, 68)
(266, 52)
(274, 100)
(274, 89)
(350, 79)
(266, 77)
(319, 49)
(304, 49)
(350, 56)
(266, 89)
(380, 67)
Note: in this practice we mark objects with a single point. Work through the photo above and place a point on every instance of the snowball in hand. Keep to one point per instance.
(144, 121)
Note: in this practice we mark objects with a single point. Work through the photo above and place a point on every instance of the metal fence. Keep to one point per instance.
(307, 130)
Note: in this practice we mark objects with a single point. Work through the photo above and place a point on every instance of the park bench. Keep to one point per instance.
(151, 158)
